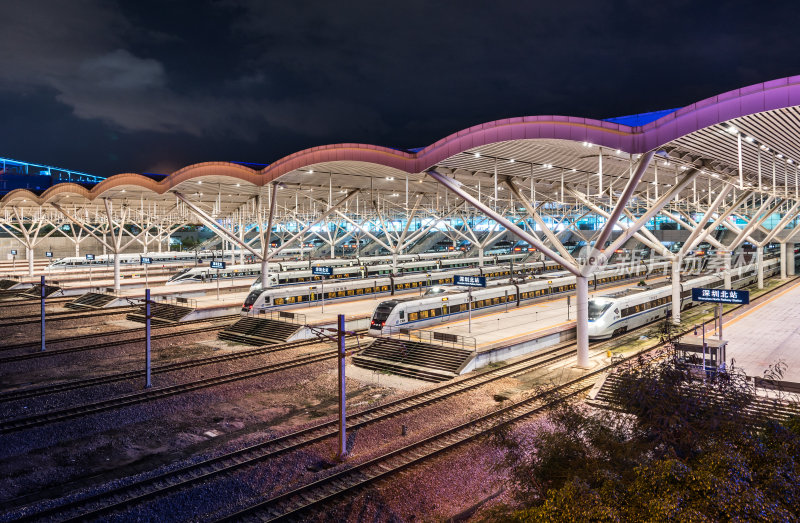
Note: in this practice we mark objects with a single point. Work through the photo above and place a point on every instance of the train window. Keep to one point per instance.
(412, 316)
(359, 291)
(402, 315)
(350, 292)
(290, 299)
(423, 314)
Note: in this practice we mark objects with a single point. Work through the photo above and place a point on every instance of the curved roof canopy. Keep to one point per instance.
(761, 120)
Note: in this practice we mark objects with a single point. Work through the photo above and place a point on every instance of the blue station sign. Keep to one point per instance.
(217, 264)
(469, 281)
(48, 254)
(322, 271)
(728, 296)
(13, 252)
(145, 260)
(90, 257)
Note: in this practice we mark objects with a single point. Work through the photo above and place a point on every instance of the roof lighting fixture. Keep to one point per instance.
(548, 166)
(238, 185)
(764, 148)
(390, 178)
(477, 155)
(619, 152)
(780, 155)
(511, 161)
(201, 194)
(311, 171)
(733, 130)
(574, 170)
(683, 167)
(748, 139)
(123, 190)
(715, 175)
(199, 182)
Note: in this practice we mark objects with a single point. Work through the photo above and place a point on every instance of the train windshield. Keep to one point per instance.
(597, 308)
(382, 313)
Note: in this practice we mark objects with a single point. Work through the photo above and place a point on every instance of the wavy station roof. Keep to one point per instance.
(543, 153)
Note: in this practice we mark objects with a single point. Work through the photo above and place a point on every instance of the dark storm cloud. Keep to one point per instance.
(108, 87)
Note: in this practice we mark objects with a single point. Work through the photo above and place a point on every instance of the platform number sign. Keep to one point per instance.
(146, 260)
(729, 296)
(217, 264)
(13, 252)
(48, 254)
(322, 271)
(469, 281)
(90, 257)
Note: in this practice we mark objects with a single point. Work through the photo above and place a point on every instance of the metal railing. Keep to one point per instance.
(285, 316)
(433, 337)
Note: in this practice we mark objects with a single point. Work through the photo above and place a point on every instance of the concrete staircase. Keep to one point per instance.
(259, 331)
(36, 291)
(413, 359)
(161, 313)
(90, 300)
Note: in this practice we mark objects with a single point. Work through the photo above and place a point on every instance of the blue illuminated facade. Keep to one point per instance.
(15, 174)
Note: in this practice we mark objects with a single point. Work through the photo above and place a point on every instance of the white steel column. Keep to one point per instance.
(784, 261)
(582, 320)
(727, 272)
(790, 269)
(676, 290)
(760, 266)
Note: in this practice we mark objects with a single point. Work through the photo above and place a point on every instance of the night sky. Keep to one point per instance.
(151, 86)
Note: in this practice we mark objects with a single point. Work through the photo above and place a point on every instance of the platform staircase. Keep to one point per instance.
(90, 300)
(759, 412)
(7, 284)
(259, 331)
(414, 359)
(36, 291)
(161, 313)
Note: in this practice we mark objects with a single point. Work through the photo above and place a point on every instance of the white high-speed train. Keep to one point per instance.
(303, 294)
(426, 264)
(617, 313)
(284, 273)
(429, 310)
(135, 259)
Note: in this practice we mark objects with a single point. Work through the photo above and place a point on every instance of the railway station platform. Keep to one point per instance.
(766, 333)
(445, 350)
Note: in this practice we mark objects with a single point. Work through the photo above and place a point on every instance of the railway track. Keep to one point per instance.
(36, 344)
(26, 302)
(17, 424)
(96, 346)
(102, 380)
(294, 502)
(160, 485)
(67, 315)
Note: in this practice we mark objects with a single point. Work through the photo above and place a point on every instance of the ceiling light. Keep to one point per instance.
(511, 161)
(548, 166)
(200, 182)
(311, 171)
(123, 190)
(238, 185)
(574, 170)
(390, 178)
(619, 152)
(715, 175)
(477, 155)
(780, 155)
(748, 139)
(733, 130)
